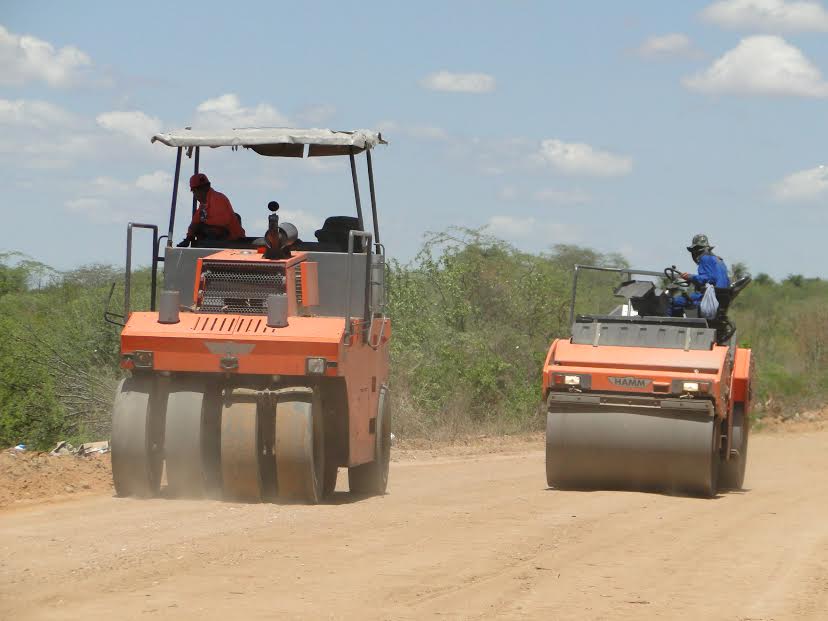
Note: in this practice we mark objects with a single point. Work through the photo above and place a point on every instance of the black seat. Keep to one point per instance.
(335, 232)
(725, 329)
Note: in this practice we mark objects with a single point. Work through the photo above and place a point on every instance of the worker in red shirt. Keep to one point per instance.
(214, 219)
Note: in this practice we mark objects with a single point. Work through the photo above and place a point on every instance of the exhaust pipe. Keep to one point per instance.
(168, 307)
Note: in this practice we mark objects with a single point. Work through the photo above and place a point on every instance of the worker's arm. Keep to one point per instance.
(707, 271)
(190, 230)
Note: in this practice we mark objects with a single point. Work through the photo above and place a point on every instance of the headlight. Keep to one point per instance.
(571, 380)
(316, 366)
(142, 359)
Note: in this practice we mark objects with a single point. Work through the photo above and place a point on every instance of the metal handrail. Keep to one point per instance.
(380, 250)
(368, 237)
(128, 270)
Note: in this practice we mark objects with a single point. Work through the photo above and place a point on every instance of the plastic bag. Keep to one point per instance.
(709, 305)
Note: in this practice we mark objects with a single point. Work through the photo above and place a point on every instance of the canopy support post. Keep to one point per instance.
(195, 169)
(356, 190)
(373, 196)
(174, 195)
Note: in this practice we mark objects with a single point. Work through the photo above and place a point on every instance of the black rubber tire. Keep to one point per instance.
(372, 478)
(137, 438)
(300, 446)
(732, 473)
(242, 452)
(192, 439)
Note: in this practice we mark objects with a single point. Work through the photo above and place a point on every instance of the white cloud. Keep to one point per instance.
(561, 197)
(761, 65)
(508, 193)
(111, 200)
(510, 226)
(386, 126)
(577, 158)
(418, 131)
(517, 228)
(449, 82)
(318, 114)
(133, 123)
(666, 46)
(768, 15)
(428, 132)
(24, 58)
(108, 186)
(158, 181)
(32, 113)
(93, 207)
(805, 185)
(227, 111)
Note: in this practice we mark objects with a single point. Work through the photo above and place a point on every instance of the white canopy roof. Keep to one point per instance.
(276, 141)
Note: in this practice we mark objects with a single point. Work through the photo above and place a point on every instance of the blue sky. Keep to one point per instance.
(623, 126)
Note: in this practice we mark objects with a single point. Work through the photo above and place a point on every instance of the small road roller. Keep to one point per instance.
(641, 399)
(262, 367)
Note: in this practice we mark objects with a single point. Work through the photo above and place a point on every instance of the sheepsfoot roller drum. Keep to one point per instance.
(138, 437)
(596, 444)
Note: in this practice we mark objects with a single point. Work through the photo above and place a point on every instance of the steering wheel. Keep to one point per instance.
(674, 276)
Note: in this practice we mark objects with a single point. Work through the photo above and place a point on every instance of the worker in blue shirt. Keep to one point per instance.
(712, 270)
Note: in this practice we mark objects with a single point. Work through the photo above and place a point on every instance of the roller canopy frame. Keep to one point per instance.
(276, 141)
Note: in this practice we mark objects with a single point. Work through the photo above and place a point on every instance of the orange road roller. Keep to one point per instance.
(640, 399)
(262, 367)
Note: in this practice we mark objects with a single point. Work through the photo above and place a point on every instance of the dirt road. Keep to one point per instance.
(475, 537)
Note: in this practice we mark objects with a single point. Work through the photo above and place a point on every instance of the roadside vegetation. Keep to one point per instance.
(473, 318)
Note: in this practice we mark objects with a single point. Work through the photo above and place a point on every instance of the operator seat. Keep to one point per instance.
(725, 328)
(335, 230)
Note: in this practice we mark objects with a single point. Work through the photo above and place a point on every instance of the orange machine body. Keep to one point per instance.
(228, 344)
(723, 373)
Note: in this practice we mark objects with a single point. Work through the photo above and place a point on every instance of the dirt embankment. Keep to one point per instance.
(28, 477)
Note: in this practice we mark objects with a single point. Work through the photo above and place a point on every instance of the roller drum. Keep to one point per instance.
(616, 449)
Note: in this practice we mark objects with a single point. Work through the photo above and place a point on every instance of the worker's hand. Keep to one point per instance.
(685, 276)
(183, 243)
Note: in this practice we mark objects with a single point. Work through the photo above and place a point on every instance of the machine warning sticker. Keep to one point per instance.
(630, 382)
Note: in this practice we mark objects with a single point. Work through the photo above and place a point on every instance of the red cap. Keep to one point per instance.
(198, 180)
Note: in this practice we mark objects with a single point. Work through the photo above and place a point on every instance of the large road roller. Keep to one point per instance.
(640, 399)
(262, 367)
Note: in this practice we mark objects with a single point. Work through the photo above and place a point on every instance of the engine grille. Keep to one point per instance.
(239, 288)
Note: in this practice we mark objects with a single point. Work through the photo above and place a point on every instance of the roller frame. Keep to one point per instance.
(732, 473)
(372, 478)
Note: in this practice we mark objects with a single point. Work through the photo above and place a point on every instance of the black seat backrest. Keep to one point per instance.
(335, 231)
(726, 295)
